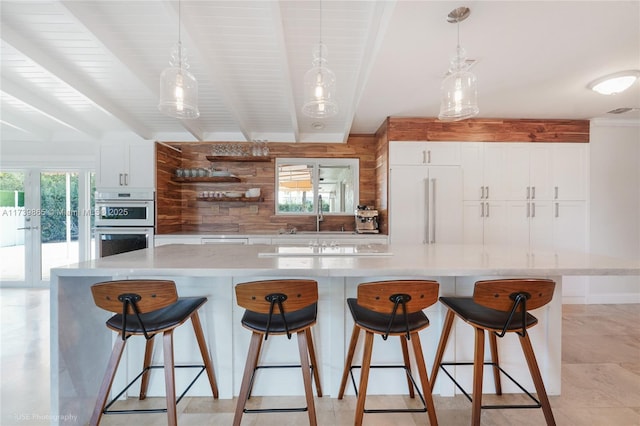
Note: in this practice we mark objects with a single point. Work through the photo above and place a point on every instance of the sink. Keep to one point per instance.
(329, 233)
(342, 250)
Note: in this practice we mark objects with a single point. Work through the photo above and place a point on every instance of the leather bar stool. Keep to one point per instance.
(148, 308)
(279, 307)
(390, 308)
(499, 307)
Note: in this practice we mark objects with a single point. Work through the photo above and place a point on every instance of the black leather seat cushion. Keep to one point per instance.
(295, 320)
(380, 322)
(160, 319)
(485, 317)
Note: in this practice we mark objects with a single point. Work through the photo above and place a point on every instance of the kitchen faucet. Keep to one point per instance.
(319, 217)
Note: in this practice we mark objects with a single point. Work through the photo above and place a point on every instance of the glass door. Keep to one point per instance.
(46, 219)
(16, 227)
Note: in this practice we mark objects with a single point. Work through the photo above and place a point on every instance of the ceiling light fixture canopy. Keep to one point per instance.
(458, 92)
(614, 83)
(178, 87)
(320, 84)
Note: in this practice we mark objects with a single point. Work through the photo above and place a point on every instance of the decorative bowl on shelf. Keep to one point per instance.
(233, 194)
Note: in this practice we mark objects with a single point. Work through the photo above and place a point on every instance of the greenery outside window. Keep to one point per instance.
(302, 182)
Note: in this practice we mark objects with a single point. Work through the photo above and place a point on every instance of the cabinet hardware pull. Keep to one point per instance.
(533, 209)
(556, 189)
(120, 179)
(487, 191)
(429, 156)
(426, 210)
(482, 192)
(424, 156)
(528, 209)
(433, 224)
(528, 192)
(126, 179)
(557, 210)
(533, 192)
(487, 209)
(481, 209)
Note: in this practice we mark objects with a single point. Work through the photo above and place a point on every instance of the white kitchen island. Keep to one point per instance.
(81, 344)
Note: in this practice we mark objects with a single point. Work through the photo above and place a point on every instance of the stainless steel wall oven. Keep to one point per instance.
(124, 221)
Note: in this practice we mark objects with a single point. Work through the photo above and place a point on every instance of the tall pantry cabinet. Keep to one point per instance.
(521, 194)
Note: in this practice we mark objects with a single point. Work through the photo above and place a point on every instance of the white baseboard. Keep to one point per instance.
(574, 300)
(611, 298)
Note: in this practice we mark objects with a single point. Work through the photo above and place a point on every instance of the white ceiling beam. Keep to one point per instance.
(88, 22)
(73, 79)
(55, 112)
(379, 23)
(276, 15)
(27, 126)
(213, 66)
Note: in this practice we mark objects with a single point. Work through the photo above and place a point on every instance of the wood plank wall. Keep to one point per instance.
(473, 130)
(179, 211)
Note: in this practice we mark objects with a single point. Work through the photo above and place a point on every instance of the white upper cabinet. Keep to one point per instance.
(550, 171)
(425, 153)
(570, 171)
(128, 165)
(485, 170)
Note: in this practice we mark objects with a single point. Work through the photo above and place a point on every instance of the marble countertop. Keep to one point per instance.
(400, 260)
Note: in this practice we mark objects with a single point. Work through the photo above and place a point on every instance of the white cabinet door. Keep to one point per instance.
(570, 225)
(425, 205)
(540, 171)
(570, 175)
(126, 165)
(141, 170)
(424, 153)
(518, 172)
(495, 217)
(473, 222)
(112, 166)
(541, 225)
(494, 164)
(471, 158)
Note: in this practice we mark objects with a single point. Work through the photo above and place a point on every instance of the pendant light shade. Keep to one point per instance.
(319, 87)
(178, 87)
(458, 92)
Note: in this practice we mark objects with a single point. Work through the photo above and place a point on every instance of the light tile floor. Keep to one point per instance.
(600, 378)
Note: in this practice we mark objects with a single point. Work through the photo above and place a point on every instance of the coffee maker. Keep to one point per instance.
(366, 220)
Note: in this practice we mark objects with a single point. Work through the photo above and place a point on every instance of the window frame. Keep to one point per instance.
(316, 163)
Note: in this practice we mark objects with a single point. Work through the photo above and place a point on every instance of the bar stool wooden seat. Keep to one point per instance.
(148, 308)
(279, 307)
(499, 307)
(390, 308)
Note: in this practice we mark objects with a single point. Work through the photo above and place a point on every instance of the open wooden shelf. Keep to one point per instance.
(234, 199)
(246, 158)
(215, 179)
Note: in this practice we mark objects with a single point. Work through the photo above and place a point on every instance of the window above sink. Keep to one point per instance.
(301, 182)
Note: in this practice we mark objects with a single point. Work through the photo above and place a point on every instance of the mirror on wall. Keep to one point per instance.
(303, 182)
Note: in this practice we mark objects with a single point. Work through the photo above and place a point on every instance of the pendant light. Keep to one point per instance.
(458, 92)
(320, 84)
(178, 87)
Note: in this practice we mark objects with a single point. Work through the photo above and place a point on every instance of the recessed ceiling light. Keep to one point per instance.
(614, 83)
(317, 125)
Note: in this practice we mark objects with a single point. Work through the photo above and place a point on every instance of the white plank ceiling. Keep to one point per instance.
(83, 70)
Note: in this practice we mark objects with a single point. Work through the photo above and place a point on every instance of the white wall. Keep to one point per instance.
(615, 206)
